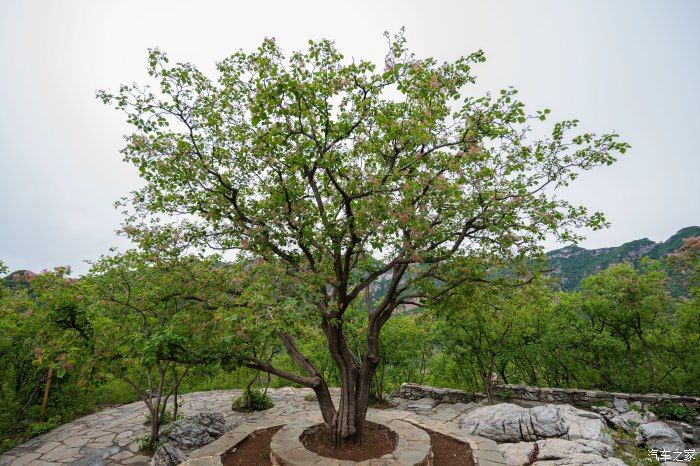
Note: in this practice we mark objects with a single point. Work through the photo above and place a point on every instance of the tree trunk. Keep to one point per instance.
(248, 395)
(155, 427)
(355, 382)
(488, 388)
(177, 389)
(47, 387)
(349, 419)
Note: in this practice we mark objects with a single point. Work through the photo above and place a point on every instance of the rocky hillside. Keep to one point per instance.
(572, 264)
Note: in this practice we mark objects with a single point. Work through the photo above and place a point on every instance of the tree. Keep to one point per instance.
(345, 174)
(630, 304)
(20, 381)
(156, 314)
(405, 346)
(45, 336)
(684, 344)
(64, 334)
(489, 324)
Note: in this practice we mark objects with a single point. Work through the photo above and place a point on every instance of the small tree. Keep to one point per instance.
(630, 307)
(155, 315)
(45, 336)
(346, 175)
(488, 325)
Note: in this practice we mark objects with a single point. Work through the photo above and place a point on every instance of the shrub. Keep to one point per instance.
(42, 427)
(8, 444)
(145, 441)
(259, 401)
(668, 410)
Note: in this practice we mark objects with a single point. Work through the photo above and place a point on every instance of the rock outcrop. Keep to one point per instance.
(197, 431)
(507, 422)
(168, 455)
(660, 436)
(185, 435)
(544, 435)
(558, 452)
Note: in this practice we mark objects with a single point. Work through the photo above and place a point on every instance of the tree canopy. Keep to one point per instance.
(341, 173)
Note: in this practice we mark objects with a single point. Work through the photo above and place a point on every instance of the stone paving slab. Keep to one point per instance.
(110, 437)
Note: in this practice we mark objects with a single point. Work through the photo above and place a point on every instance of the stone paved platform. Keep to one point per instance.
(111, 437)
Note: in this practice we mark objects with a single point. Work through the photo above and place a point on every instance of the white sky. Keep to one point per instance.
(629, 66)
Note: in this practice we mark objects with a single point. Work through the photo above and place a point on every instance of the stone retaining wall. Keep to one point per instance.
(585, 398)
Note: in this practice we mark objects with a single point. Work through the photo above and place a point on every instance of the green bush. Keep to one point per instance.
(114, 392)
(42, 427)
(259, 401)
(145, 441)
(668, 410)
(506, 394)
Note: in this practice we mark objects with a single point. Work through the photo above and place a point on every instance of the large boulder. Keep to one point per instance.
(500, 422)
(167, 455)
(190, 433)
(506, 422)
(196, 431)
(660, 436)
(558, 452)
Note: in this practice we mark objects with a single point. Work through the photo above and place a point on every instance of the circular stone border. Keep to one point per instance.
(412, 448)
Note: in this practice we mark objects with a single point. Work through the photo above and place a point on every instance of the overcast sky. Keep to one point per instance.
(629, 66)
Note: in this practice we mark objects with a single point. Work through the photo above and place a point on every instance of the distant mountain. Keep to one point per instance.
(572, 264)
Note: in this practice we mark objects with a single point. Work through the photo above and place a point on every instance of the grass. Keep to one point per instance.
(627, 450)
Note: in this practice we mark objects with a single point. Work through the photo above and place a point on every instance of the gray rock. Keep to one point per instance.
(500, 422)
(637, 405)
(660, 436)
(214, 423)
(606, 412)
(581, 459)
(600, 448)
(461, 407)
(547, 422)
(565, 452)
(424, 404)
(584, 425)
(558, 452)
(517, 454)
(167, 455)
(688, 438)
(507, 422)
(688, 434)
(189, 436)
(628, 421)
(197, 431)
(620, 405)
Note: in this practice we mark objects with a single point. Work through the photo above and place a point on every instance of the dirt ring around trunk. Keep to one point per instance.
(413, 443)
(412, 446)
